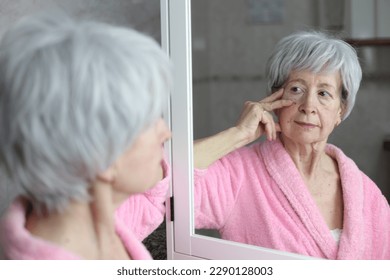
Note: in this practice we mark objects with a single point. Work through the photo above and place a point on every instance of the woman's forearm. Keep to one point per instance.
(255, 120)
(210, 149)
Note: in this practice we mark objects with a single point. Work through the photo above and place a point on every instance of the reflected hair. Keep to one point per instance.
(73, 97)
(317, 52)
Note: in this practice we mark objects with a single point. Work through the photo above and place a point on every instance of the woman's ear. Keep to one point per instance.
(108, 175)
(340, 115)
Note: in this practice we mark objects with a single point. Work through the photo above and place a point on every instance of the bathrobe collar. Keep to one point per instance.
(281, 167)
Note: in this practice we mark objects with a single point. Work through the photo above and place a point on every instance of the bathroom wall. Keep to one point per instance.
(231, 43)
(143, 15)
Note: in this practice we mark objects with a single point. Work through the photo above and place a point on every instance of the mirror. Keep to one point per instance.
(182, 242)
(231, 41)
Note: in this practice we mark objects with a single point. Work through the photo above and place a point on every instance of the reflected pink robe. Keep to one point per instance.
(256, 195)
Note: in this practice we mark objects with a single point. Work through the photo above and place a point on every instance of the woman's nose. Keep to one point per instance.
(308, 104)
(165, 132)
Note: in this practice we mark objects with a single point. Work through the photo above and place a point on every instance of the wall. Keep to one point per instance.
(143, 15)
(229, 55)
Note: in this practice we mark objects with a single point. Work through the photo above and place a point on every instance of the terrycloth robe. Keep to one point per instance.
(135, 219)
(256, 195)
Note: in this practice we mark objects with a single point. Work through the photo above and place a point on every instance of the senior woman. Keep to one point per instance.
(294, 192)
(81, 139)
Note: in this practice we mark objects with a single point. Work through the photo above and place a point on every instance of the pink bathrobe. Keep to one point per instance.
(256, 195)
(135, 219)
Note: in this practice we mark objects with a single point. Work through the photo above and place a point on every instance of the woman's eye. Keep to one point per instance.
(324, 94)
(295, 90)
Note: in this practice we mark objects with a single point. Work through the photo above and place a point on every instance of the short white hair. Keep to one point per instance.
(316, 51)
(73, 97)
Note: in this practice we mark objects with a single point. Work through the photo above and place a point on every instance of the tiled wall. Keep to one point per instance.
(140, 14)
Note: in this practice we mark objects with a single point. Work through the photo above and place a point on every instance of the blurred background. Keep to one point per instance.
(143, 15)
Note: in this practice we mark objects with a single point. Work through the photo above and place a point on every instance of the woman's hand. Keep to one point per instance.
(256, 117)
(253, 123)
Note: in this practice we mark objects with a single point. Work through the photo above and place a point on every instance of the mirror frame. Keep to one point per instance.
(182, 242)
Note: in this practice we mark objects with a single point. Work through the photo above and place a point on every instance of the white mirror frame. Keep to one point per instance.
(182, 242)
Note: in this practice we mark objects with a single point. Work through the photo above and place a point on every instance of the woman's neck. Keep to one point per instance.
(84, 228)
(308, 158)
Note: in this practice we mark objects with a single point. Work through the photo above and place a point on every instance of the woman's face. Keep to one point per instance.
(317, 107)
(139, 168)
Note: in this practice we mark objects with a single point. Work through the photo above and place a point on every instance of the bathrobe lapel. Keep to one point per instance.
(282, 169)
(352, 238)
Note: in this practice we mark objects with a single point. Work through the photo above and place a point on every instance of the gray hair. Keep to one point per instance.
(73, 97)
(317, 52)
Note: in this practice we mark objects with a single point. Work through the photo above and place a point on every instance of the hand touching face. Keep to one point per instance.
(256, 117)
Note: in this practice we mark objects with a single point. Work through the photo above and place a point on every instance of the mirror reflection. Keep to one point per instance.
(279, 156)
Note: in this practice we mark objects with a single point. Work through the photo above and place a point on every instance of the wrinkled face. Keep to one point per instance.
(139, 168)
(317, 107)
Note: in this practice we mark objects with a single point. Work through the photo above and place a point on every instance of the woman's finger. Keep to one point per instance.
(277, 127)
(275, 96)
(269, 125)
(268, 130)
(270, 106)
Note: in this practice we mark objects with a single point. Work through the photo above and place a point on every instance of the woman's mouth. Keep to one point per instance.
(306, 125)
